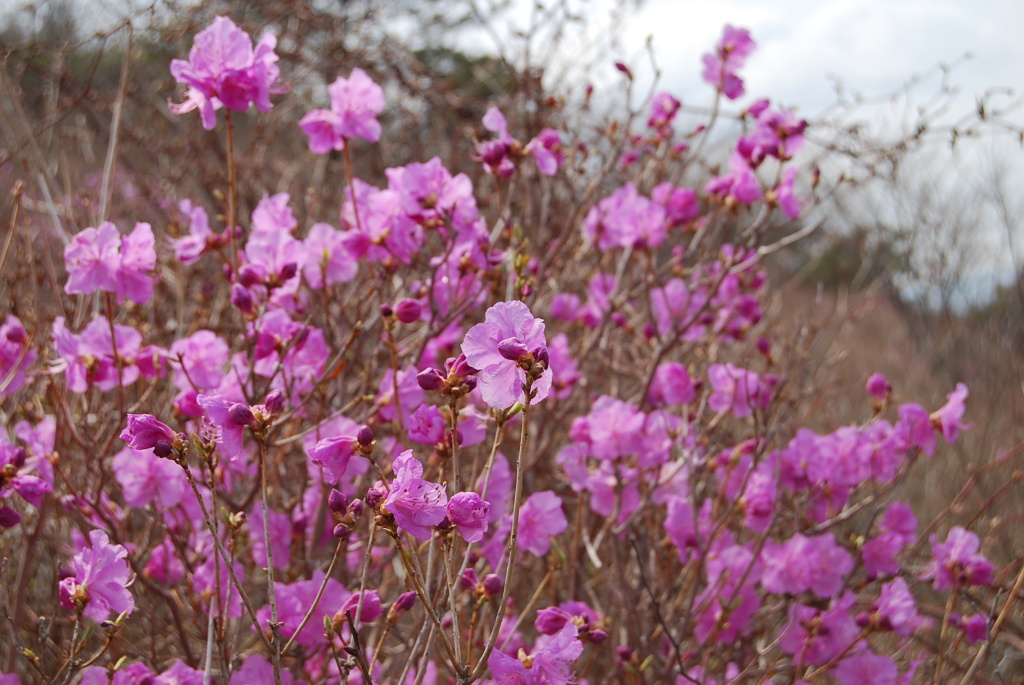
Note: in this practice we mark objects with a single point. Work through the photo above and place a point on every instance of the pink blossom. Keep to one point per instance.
(101, 580)
(328, 257)
(950, 416)
(502, 379)
(801, 563)
(229, 423)
(256, 670)
(416, 504)
(93, 260)
(730, 53)
(426, 425)
(333, 454)
(540, 518)
(957, 561)
(664, 108)
(469, 513)
(626, 219)
(223, 70)
(546, 149)
(736, 390)
(356, 102)
(680, 203)
(671, 385)
(145, 478)
(550, 662)
(784, 195)
(199, 360)
(88, 358)
(16, 356)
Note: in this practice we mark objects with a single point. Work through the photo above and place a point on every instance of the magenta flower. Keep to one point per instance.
(88, 358)
(469, 513)
(950, 416)
(146, 478)
(730, 53)
(145, 432)
(867, 667)
(355, 104)
(540, 518)
(229, 419)
(19, 475)
(784, 195)
(416, 504)
(801, 563)
(223, 70)
(329, 258)
(203, 357)
(736, 390)
(16, 356)
(546, 149)
(256, 670)
(100, 259)
(101, 580)
(550, 662)
(333, 454)
(294, 599)
(501, 379)
(664, 108)
(680, 203)
(426, 425)
(93, 259)
(957, 561)
(671, 385)
(626, 219)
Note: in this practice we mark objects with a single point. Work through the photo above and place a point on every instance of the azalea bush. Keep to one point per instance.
(522, 423)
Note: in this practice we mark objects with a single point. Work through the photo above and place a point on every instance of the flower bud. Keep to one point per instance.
(624, 652)
(341, 531)
(288, 271)
(365, 436)
(242, 298)
(163, 448)
(469, 579)
(597, 636)
(408, 311)
(19, 457)
(373, 497)
(16, 334)
(337, 502)
(405, 601)
(430, 379)
(274, 402)
(356, 508)
(240, 414)
(513, 349)
(249, 275)
(386, 311)
(9, 517)
(493, 584)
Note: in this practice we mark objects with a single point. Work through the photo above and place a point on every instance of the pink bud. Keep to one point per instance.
(408, 311)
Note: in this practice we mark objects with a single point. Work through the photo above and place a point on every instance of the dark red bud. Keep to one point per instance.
(288, 271)
(493, 584)
(163, 449)
(241, 298)
(274, 401)
(430, 379)
(341, 531)
(337, 501)
(408, 311)
(365, 436)
(240, 414)
(249, 275)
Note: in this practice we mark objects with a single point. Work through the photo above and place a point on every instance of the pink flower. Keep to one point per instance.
(540, 518)
(230, 419)
(546, 149)
(950, 416)
(469, 513)
(866, 668)
(736, 390)
(416, 504)
(256, 670)
(101, 580)
(549, 663)
(100, 259)
(957, 561)
(664, 108)
(671, 385)
(355, 104)
(333, 453)
(788, 201)
(145, 432)
(146, 478)
(223, 70)
(626, 219)
(93, 260)
(88, 358)
(730, 53)
(16, 356)
(501, 379)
